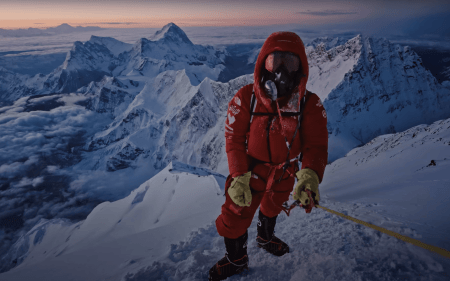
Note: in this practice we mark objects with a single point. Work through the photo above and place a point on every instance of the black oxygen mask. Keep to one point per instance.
(279, 83)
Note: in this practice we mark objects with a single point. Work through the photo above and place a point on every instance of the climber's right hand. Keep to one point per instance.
(239, 190)
(307, 180)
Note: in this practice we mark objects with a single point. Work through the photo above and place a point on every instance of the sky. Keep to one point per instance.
(144, 13)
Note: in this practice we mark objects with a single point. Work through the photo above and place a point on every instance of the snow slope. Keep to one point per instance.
(162, 211)
(373, 183)
(369, 79)
(401, 176)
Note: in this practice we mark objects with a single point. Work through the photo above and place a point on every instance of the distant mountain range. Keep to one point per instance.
(115, 114)
(361, 81)
(63, 28)
(168, 49)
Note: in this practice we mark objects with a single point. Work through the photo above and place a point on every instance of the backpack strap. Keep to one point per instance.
(269, 122)
(299, 123)
(253, 106)
(287, 114)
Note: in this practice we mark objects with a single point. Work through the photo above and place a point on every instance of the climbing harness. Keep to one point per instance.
(279, 114)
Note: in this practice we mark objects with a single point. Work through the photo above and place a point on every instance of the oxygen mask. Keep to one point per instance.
(281, 74)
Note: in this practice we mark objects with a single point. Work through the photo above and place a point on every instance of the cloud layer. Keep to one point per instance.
(326, 13)
(36, 147)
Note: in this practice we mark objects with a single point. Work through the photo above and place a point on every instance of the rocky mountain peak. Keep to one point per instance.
(171, 33)
(369, 78)
(327, 42)
(64, 25)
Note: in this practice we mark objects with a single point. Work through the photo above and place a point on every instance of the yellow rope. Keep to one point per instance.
(434, 249)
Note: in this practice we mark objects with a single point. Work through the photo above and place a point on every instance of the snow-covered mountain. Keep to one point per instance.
(164, 230)
(446, 72)
(446, 84)
(161, 211)
(371, 81)
(405, 174)
(326, 42)
(168, 49)
(365, 79)
(7, 81)
(153, 124)
(66, 28)
(63, 28)
(45, 132)
(168, 119)
(65, 153)
(134, 108)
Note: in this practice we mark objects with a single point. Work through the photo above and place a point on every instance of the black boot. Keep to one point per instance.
(235, 260)
(266, 238)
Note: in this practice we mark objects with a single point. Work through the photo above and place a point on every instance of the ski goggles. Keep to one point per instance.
(289, 60)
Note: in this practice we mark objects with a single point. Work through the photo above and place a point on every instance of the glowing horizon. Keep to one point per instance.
(15, 14)
(24, 14)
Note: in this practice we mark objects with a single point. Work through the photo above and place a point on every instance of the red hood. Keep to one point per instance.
(281, 41)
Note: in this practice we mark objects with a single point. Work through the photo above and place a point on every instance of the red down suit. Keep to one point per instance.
(257, 142)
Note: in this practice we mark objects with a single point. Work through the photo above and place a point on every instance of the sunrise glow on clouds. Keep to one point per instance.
(144, 13)
(140, 13)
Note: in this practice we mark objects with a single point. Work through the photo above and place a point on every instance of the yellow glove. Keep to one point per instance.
(308, 179)
(239, 190)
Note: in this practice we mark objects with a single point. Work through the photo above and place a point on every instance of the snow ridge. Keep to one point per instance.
(171, 33)
(327, 42)
(370, 79)
(92, 60)
(154, 207)
(169, 119)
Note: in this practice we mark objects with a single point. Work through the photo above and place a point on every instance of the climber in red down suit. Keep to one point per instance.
(270, 124)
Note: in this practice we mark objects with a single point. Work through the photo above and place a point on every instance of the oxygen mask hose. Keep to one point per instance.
(271, 89)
